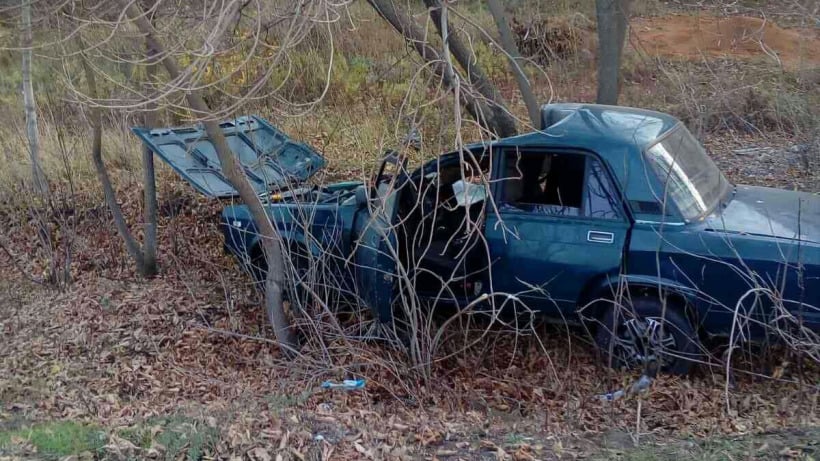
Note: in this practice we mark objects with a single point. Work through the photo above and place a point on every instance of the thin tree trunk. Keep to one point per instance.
(271, 242)
(502, 120)
(514, 56)
(148, 179)
(131, 244)
(37, 174)
(612, 23)
(405, 25)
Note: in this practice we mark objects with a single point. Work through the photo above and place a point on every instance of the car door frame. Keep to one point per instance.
(625, 218)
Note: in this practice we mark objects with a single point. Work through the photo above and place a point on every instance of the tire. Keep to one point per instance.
(630, 337)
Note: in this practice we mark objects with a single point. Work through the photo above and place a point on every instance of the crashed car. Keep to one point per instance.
(610, 217)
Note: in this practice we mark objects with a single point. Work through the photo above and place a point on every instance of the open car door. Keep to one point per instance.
(376, 251)
(271, 160)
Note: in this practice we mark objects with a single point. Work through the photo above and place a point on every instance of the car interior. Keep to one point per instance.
(545, 183)
(442, 215)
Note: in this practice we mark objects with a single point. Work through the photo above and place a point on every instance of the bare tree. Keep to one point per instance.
(612, 23)
(149, 180)
(504, 122)
(131, 244)
(486, 106)
(30, 107)
(514, 57)
(144, 257)
(271, 241)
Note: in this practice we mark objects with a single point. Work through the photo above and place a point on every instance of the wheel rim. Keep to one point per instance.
(639, 341)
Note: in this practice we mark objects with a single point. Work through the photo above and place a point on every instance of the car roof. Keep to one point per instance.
(589, 125)
(617, 134)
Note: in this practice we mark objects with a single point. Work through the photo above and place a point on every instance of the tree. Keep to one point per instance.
(271, 241)
(144, 256)
(30, 107)
(514, 56)
(110, 196)
(612, 18)
(149, 180)
(483, 101)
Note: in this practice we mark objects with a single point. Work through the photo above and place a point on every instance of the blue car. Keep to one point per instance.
(610, 217)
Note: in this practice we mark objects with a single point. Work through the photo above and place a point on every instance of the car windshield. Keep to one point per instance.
(688, 175)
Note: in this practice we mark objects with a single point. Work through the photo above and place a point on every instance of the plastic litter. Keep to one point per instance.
(348, 384)
(638, 387)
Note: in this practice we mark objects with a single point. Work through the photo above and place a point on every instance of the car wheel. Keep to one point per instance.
(635, 336)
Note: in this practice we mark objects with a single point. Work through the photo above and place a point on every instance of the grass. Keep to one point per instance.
(56, 438)
(175, 437)
(179, 437)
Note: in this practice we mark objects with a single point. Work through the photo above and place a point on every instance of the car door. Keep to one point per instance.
(560, 225)
(375, 252)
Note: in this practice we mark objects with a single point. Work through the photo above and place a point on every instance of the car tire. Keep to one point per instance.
(633, 336)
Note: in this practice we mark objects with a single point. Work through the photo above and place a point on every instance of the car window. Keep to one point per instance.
(558, 184)
(602, 201)
(544, 183)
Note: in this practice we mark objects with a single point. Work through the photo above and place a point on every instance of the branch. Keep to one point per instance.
(131, 245)
(475, 74)
(513, 55)
(405, 25)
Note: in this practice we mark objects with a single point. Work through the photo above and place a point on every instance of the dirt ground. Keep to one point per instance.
(695, 37)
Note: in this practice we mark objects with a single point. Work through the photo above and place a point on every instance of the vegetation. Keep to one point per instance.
(185, 365)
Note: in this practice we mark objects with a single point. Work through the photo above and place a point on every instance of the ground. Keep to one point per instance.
(112, 366)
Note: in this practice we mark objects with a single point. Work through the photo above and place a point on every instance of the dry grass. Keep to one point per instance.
(118, 351)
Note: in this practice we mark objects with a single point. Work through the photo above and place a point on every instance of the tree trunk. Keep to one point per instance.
(131, 244)
(405, 25)
(149, 179)
(612, 22)
(514, 56)
(503, 122)
(271, 241)
(37, 173)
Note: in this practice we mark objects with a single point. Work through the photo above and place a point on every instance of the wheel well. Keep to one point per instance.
(607, 297)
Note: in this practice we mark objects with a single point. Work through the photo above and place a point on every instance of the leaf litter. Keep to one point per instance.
(120, 352)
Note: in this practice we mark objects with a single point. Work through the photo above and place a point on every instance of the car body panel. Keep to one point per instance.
(271, 160)
(764, 211)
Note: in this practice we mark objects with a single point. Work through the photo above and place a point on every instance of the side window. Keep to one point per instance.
(545, 183)
(558, 184)
(601, 198)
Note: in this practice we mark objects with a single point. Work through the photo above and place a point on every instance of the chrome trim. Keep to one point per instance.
(662, 223)
(600, 237)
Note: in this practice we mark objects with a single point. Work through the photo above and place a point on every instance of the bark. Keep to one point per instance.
(131, 244)
(149, 181)
(37, 174)
(404, 24)
(514, 57)
(271, 242)
(612, 18)
(501, 118)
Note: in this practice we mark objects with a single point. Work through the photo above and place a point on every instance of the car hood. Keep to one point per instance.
(271, 160)
(770, 212)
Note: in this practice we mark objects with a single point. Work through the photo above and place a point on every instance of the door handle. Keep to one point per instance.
(600, 237)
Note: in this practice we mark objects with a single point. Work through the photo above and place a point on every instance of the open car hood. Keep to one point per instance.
(271, 160)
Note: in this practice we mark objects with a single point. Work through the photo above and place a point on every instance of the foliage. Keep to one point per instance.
(58, 438)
